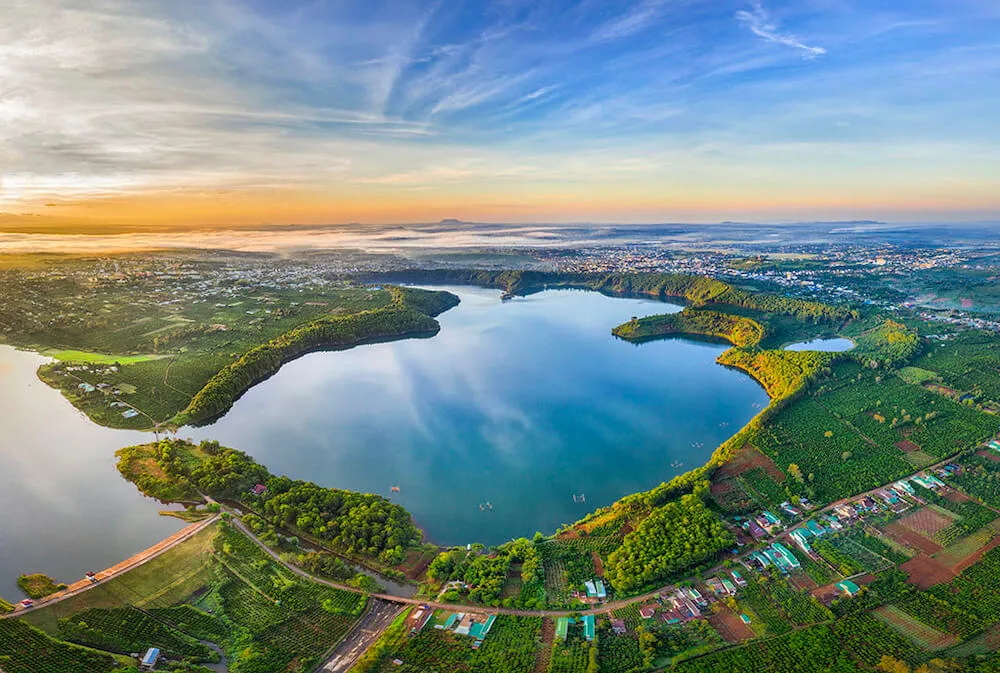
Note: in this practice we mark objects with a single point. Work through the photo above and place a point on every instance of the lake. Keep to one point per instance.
(834, 345)
(520, 404)
(66, 509)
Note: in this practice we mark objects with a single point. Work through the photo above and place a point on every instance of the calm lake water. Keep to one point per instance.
(65, 509)
(522, 404)
(836, 345)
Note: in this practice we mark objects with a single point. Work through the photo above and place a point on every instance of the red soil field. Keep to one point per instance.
(745, 459)
(544, 653)
(988, 454)
(912, 540)
(598, 563)
(907, 446)
(926, 521)
(924, 572)
(802, 582)
(956, 496)
(730, 626)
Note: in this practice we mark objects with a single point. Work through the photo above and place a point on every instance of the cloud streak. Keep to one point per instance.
(761, 24)
(424, 109)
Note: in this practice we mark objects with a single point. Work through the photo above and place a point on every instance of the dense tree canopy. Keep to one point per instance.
(698, 290)
(780, 372)
(736, 329)
(673, 537)
(409, 313)
(354, 523)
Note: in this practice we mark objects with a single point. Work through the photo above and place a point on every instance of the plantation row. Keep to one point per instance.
(981, 479)
(968, 362)
(813, 650)
(843, 438)
(127, 630)
(976, 590)
(25, 649)
(574, 655)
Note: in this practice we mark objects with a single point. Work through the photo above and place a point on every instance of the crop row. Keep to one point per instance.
(25, 649)
(126, 630)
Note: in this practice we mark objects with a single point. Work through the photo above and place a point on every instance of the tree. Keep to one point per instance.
(795, 472)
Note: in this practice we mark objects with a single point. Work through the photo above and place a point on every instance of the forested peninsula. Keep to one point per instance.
(359, 525)
(736, 329)
(410, 313)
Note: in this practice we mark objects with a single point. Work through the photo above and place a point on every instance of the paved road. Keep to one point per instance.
(375, 621)
(614, 605)
(125, 566)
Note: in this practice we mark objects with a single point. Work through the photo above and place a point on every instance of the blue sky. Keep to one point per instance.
(597, 109)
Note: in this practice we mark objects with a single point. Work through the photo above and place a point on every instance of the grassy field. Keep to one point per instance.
(161, 582)
(216, 586)
(98, 358)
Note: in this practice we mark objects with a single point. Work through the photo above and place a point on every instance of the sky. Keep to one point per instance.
(197, 113)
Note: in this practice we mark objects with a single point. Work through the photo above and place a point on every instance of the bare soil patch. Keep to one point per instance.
(924, 572)
(598, 563)
(722, 488)
(745, 459)
(913, 540)
(416, 563)
(802, 582)
(926, 521)
(730, 626)
(989, 455)
(956, 496)
(906, 446)
(544, 652)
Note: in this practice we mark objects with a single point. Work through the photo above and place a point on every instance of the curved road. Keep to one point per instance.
(605, 607)
(125, 566)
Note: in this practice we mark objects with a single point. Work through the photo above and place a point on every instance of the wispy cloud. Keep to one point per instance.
(637, 19)
(760, 22)
(344, 100)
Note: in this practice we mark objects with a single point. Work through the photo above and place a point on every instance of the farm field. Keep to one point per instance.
(968, 362)
(230, 593)
(925, 637)
(146, 333)
(929, 579)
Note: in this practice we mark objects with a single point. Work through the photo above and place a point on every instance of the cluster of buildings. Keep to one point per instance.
(596, 589)
(761, 525)
(588, 622)
(103, 387)
(473, 625)
(895, 499)
(776, 555)
(960, 319)
(682, 604)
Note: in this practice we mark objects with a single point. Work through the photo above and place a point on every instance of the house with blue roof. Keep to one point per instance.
(149, 659)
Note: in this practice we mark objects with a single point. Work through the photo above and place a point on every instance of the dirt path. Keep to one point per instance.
(365, 633)
(125, 566)
(544, 652)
